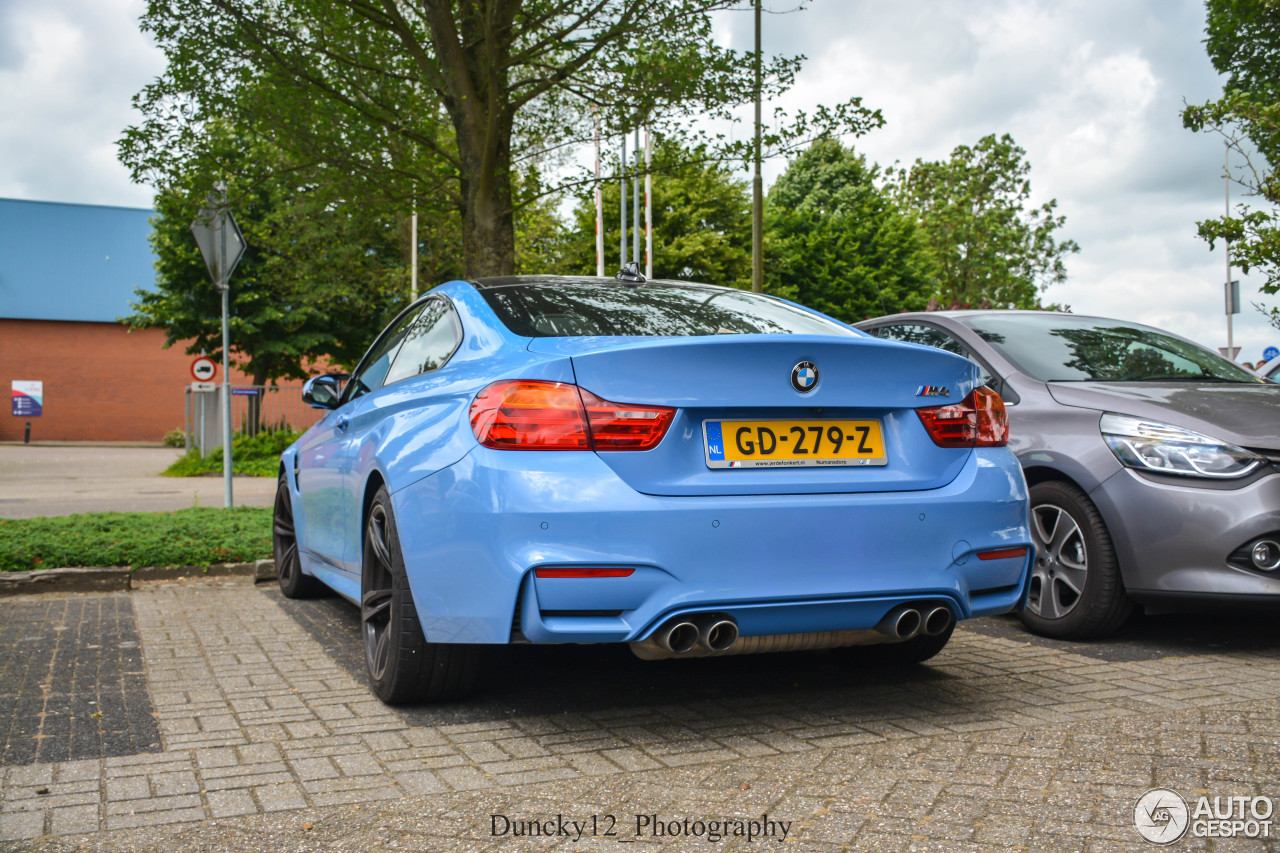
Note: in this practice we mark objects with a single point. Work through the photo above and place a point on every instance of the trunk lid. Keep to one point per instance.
(733, 380)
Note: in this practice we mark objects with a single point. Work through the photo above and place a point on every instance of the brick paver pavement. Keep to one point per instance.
(268, 743)
(72, 683)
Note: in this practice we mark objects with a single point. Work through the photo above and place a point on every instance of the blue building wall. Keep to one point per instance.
(72, 261)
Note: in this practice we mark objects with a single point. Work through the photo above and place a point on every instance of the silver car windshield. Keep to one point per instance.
(1066, 348)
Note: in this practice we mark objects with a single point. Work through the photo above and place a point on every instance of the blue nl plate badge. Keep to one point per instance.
(715, 441)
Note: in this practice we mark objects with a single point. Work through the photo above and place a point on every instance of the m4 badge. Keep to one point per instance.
(932, 391)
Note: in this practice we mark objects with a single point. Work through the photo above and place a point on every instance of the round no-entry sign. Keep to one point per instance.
(203, 369)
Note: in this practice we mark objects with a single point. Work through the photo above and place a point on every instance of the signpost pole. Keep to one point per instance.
(221, 245)
(224, 285)
(226, 391)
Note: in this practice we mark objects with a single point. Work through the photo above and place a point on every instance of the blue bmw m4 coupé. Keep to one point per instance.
(692, 470)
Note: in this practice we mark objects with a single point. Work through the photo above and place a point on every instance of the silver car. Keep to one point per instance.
(1153, 463)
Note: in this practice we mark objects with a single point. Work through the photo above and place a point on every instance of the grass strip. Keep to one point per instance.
(197, 536)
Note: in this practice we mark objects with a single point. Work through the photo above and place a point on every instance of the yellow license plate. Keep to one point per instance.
(792, 444)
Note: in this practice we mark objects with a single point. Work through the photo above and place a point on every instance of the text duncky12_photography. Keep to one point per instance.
(633, 827)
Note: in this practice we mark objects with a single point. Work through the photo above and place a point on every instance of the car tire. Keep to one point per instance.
(284, 547)
(403, 667)
(916, 650)
(1076, 591)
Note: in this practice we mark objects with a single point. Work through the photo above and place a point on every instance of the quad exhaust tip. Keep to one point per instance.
(701, 634)
(902, 623)
(718, 634)
(714, 632)
(906, 621)
(937, 621)
(679, 636)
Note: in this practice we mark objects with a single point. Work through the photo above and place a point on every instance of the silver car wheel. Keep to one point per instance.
(1059, 574)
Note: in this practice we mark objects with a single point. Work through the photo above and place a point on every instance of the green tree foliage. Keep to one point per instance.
(1244, 43)
(701, 220)
(989, 245)
(836, 240)
(319, 277)
(443, 100)
(541, 236)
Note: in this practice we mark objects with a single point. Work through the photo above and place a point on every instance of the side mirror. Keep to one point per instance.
(324, 392)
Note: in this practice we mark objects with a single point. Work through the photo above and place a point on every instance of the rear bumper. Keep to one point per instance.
(473, 535)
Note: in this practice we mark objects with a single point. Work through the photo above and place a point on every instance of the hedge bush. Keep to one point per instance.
(253, 456)
(198, 536)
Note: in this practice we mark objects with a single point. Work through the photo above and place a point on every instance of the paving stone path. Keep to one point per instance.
(268, 742)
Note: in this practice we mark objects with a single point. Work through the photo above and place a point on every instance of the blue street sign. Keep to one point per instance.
(1270, 353)
(245, 392)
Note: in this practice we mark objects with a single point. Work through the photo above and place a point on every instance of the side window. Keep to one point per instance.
(428, 344)
(377, 361)
(931, 336)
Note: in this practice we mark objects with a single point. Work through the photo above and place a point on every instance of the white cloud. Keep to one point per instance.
(67, 74)
(1092, 90)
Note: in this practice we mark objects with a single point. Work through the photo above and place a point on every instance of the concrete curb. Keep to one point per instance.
(117, 579)
(64, 580)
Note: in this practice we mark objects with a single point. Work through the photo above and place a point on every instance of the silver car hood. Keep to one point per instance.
(1243, 414)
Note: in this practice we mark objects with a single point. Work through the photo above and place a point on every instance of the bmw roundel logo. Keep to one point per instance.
(804, 377)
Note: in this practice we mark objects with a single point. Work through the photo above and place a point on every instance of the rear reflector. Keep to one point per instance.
(979, 421)
(584, 573)
(1002, 554)
(532, 414)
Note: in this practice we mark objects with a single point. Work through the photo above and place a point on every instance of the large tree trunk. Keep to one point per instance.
(473, 44)
(488, 224)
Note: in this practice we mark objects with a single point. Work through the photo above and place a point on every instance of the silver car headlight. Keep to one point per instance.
(1151, 446)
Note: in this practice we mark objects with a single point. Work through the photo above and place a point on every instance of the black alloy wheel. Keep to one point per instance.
(284, 547)
(403, 666)
(1076, 591)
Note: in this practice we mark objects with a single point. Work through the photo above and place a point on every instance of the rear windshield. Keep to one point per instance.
(563, 309)
(1065, 348)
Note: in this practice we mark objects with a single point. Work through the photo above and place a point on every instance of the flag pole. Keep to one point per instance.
(648, 204)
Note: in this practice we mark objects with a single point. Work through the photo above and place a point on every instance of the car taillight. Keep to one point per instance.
(527, 414)
(979, 421)
(616, 426)
(532, 414)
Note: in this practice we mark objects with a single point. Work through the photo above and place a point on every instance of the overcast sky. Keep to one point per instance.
(1092, 89)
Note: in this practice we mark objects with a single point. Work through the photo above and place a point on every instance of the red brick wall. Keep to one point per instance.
(101, 382)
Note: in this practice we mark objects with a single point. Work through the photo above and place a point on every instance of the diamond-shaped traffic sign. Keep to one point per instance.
(220, 241)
